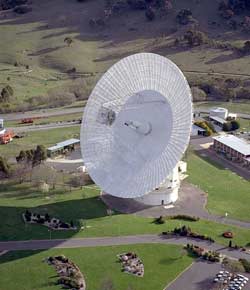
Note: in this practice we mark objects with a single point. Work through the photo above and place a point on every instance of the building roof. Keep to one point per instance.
(63, 144)
(218, 110)
(235, 143)
(218, 119)
(195, 127)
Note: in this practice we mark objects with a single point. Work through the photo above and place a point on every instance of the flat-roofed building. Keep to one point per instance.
(62, 147)
(218, 112)
(218, 121)
(233, 147)
(197, 131)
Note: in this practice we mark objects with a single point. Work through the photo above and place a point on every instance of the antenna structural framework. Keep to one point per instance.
(136, 125)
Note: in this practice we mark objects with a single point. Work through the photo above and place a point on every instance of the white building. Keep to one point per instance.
(168, 191)
(218, 112)
(2, 130)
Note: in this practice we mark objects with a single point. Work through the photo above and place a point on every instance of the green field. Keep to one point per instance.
(241, 107)
(37, 38)
(244, 124)
(84, 207)
(43, 137)
(227, 192)
(162, 263)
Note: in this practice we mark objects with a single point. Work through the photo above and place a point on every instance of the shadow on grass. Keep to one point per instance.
(13, 228)
(22, 191)
(204, 155)
(16, 255)
(169, 261)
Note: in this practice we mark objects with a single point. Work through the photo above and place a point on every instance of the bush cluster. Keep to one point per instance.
(246, 264)
(185, 231)
(161, 220)
(231, 126)
(183, 217)
(208, 126)
(200, 252)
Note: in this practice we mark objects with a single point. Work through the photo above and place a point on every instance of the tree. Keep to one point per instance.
(68, 41)
(184, 16)
(150, 15)
(4, 166)
(40, 154)
(195, 37)
(137, 4)
(198, 94)
(235, 124)
(6, 93)
(246, 47)
(227, 126)
(223, 5)
(168, 5)
(21, 157)
(227, 14)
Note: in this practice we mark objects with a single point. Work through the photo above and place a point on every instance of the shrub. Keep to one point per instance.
(183, 217)
(4, 166)
(137, 4)
(207, 126)
(235, 124)
(184, 16)
(246, 264)
(195, 37)
(198, 94)
(160, 220)
(150, 15)
(22, 9)
(227, 127)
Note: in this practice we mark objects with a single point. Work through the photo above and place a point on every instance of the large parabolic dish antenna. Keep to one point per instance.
(136, 125)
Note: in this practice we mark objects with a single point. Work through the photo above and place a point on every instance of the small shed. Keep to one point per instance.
(197, 131)
(63, 147)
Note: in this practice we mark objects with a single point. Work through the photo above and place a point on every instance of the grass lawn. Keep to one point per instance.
(241, 107)
(162, 263)
(37, 38)
(85, 207)
(43, 137)
(244, 124)
(227, 192)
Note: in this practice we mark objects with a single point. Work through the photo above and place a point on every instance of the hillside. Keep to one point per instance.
(45, 70)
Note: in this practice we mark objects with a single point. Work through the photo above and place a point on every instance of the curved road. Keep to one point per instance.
(114, 241)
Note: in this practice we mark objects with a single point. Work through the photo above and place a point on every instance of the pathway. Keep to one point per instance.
(114, 241)
(192, 201)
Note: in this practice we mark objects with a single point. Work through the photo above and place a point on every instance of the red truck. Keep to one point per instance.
(27, 121)
(6, 137)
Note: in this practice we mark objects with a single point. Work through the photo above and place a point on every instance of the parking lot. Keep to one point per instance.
(200, 276)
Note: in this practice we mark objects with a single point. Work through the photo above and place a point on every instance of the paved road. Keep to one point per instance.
(217, 73)
(113, 241)
(31, 128)
(192, 201)
(41, 113)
